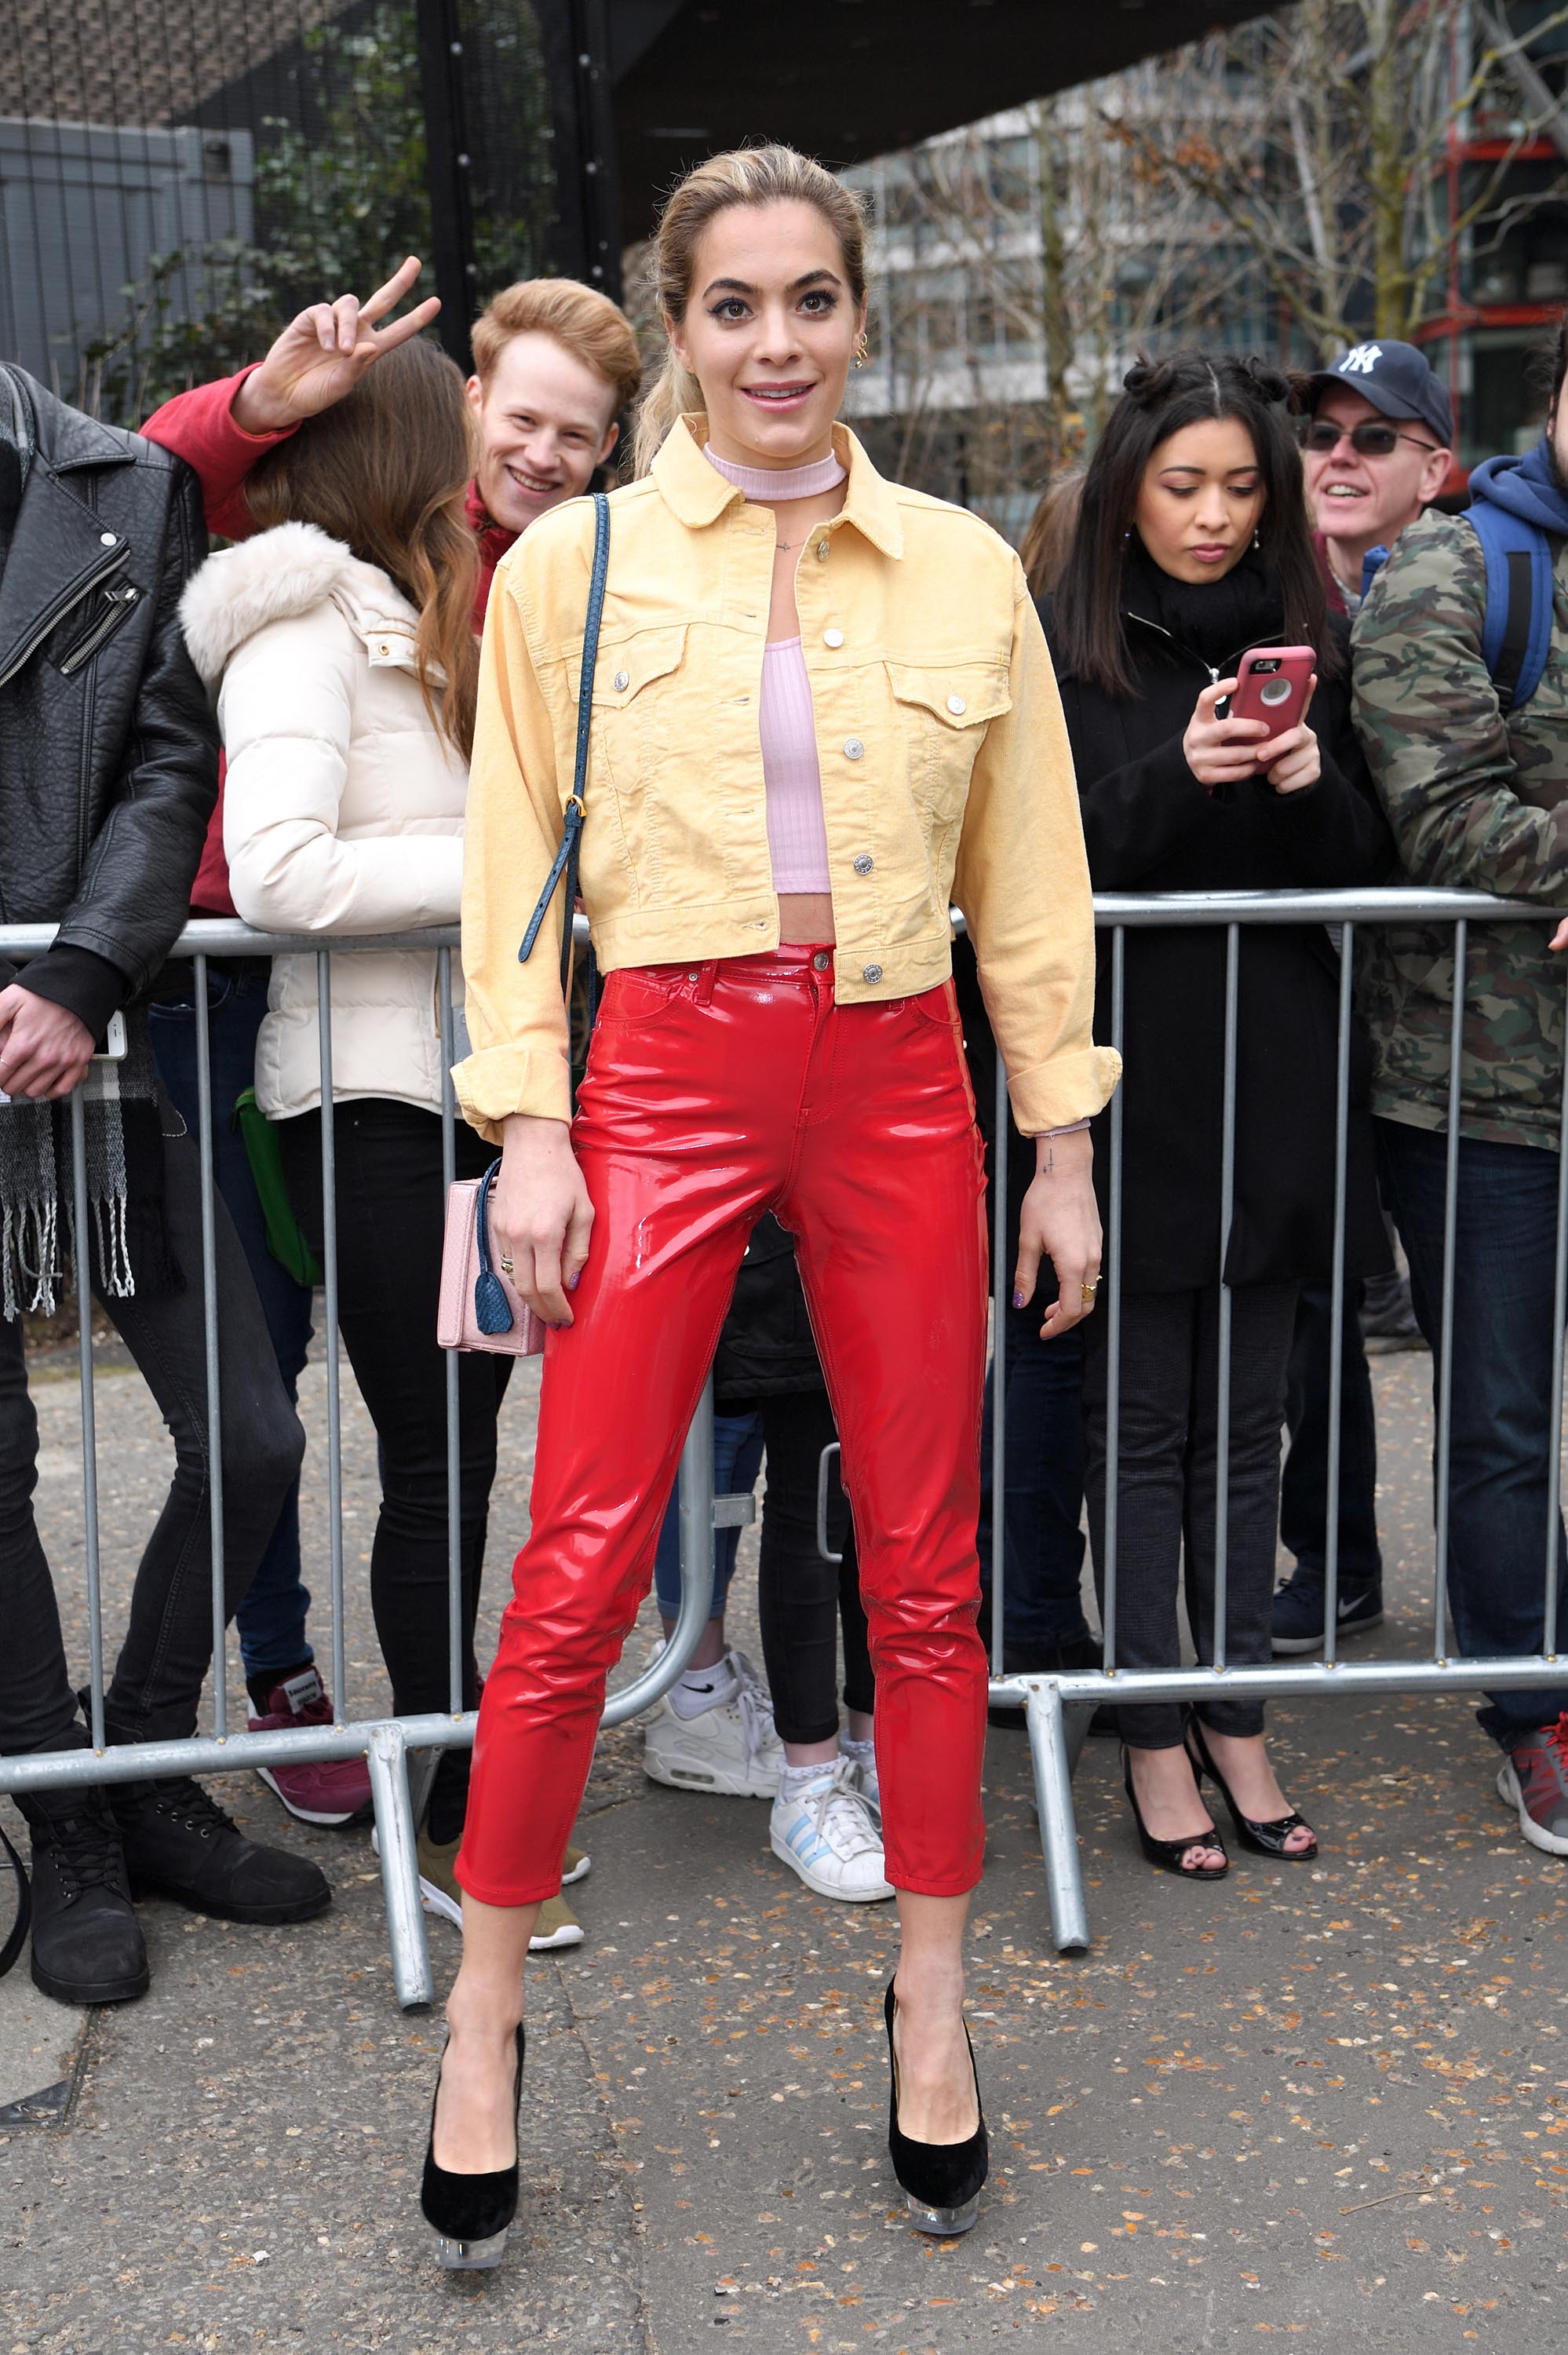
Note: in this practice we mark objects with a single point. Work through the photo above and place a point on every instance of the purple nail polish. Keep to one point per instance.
(1018, 1299)
(572, 1281)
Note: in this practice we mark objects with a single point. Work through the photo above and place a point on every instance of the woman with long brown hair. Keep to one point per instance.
(822, 707)
(339, 644)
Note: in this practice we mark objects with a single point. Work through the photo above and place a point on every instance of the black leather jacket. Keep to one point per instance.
(108, 749)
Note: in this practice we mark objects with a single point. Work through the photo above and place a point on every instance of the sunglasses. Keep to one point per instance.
(1368, 439)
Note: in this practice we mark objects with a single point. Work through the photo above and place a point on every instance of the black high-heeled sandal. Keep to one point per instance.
(1264, 1838)
(471, 2214)
(1167, 1853)
(941, 2181)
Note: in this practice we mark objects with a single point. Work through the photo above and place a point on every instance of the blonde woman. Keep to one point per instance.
(822, 704)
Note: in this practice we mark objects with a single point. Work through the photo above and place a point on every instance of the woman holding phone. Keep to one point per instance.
(1191, 550)
(821, 705)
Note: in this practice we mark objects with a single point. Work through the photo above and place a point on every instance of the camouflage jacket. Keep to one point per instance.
(1474, 803)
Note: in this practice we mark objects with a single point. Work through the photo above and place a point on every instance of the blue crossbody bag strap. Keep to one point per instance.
(1516, 634)
(491, 1311)
(565, 860)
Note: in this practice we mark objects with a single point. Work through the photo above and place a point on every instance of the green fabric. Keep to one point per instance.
(284, 1239)
(1475, 801)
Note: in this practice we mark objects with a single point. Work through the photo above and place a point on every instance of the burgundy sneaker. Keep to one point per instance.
(1535, 1781)
(332, 1790)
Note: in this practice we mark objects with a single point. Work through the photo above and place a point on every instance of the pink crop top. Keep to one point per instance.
(797, 836)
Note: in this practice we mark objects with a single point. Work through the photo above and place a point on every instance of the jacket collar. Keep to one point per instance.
(697, 493)
(59, 546)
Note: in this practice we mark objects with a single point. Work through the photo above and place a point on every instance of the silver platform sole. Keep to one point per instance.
(471, 2256)
(948, 2221)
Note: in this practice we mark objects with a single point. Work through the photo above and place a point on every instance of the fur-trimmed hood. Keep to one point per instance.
(280, 574)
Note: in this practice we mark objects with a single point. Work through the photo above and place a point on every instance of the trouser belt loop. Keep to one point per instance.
(707, 975)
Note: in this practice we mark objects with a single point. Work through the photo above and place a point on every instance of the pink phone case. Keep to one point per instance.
(1277, 693)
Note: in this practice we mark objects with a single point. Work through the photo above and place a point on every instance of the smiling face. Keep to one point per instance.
(770, 329)
(1368, 501)
(546, 421)
(1201, 499)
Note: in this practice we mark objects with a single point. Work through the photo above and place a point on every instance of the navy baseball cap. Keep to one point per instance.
(1396, 378)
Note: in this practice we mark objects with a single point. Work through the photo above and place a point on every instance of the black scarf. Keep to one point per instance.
(1215, 620)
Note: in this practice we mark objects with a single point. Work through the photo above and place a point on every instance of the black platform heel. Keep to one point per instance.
(471, 2214)
(1167, 1853)
(1263, 1838)
(941, 2181)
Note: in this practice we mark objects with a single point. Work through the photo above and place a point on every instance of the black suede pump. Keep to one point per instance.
(941, 2181)
(472, 2213)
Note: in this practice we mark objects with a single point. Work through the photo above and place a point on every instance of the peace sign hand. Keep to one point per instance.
(324, 353)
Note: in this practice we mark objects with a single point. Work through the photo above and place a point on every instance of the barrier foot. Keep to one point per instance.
(1058, 1826)
(411, 1981)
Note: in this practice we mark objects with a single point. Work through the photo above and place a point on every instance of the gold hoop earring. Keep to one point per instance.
(861, 350)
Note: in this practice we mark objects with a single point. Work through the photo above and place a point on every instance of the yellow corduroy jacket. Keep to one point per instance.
(945, 766)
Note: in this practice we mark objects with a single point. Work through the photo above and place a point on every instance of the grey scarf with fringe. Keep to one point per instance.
(37, 1187)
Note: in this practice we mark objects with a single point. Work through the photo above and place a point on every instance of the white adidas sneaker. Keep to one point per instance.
(731, 1750)
(828, 1836)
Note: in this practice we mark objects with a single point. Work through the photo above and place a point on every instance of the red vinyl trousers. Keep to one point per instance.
(713, 1093)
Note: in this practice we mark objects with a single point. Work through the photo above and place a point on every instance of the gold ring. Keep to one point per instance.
(1089, 1290)
(508, 1268)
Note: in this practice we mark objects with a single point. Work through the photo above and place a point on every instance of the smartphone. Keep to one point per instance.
(1273, 684)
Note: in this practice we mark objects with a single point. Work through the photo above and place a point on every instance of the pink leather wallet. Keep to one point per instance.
(478, 1308)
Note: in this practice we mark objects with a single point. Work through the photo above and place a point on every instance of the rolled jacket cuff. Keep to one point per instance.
(88, 986)
(499, 1081)
(1064, 1090)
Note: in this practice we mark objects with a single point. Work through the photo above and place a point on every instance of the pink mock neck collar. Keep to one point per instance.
(774, 483)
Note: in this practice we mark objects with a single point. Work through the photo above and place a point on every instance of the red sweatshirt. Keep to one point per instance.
(199, 427)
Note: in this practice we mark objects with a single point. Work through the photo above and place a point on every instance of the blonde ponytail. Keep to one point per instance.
(745, 175)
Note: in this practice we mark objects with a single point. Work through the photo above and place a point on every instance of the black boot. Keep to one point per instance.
(87, 1941)
(179, 1843)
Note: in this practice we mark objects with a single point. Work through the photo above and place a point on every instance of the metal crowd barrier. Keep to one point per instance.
(1054, 1737)
(389, 1745)
(1057, 1708)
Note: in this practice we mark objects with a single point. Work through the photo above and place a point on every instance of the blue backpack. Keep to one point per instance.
(1516, 632)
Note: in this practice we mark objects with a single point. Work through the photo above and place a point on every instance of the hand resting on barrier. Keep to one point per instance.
(45, 1050)
(540, 1215)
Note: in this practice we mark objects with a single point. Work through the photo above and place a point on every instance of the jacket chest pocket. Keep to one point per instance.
(88, 629)
(636, 688)
(944, 710)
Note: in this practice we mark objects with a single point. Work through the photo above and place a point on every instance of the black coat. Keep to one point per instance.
(767, 1348)
(108, 747)
(1151, 826)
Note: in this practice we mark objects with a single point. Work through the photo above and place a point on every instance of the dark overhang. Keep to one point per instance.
(850, 79)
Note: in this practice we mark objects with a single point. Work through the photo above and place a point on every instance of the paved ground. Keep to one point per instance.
(1183, 2120)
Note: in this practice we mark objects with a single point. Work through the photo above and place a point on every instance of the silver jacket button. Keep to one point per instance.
(822, 546)
(106, 539)
(623, 681)
(957, 704)
(872, 973)
(855, 750)
(865, 863)
(833, 637)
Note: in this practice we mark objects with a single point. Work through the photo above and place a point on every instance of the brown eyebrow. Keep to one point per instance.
(1253, 469)
(796, 286)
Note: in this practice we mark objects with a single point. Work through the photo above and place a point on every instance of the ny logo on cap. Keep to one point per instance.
(1361, 360)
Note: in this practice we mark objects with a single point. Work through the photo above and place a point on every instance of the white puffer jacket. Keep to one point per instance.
(343, 808)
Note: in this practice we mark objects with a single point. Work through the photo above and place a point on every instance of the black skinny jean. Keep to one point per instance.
(802, 1600)
(156, 1684)
(1167, 1485)
(390, 1214)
